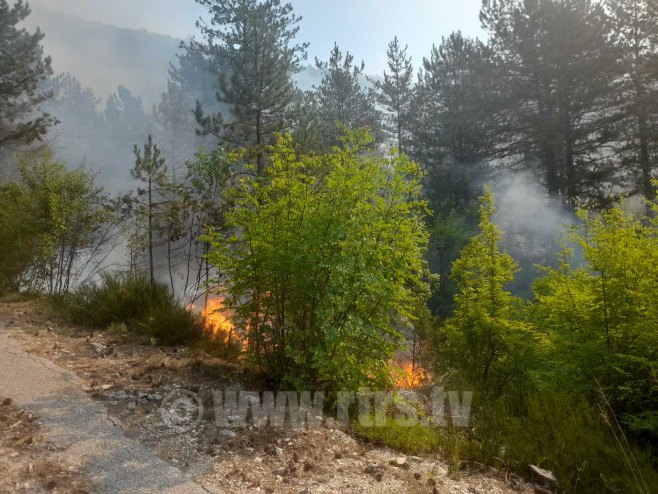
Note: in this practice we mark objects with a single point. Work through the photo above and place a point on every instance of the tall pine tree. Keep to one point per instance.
(254, 42)
(558, 70)
(634, 26)
(395, 94)
(22, 68)
(341, 100)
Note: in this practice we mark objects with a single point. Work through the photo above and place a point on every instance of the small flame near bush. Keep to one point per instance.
(408, 375)
(217, 319)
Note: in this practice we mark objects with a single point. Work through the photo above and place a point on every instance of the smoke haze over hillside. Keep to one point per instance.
(362, 26)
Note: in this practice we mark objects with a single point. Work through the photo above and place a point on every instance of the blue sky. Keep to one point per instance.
(364, 27)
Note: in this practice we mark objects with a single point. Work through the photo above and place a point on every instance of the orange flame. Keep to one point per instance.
(408, 376)
(217, 319)
(217, 322)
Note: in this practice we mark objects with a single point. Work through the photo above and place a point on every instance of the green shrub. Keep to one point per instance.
(563, 434)
(124, 299)
(415, 439)
(325, 255)
(171, 324)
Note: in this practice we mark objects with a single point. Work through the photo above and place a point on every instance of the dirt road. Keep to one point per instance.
(82, 429)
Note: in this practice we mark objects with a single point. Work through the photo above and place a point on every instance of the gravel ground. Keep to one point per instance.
(110, 401)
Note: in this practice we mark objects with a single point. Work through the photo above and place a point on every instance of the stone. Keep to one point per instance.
(227, 433)
(375, 470)
(400, 462)
(101, 350)
(545, 475)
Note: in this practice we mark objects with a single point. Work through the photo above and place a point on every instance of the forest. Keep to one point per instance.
(484, 219)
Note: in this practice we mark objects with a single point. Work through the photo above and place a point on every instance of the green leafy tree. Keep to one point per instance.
(324, 262)
(22, 69)
(485, 340)
(342, 102)
(58, 224)
(18, 244)
(395, 94)
(601, 315)
(254, 42)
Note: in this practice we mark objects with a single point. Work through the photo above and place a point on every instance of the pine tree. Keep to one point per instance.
(75, 106)
(635, 33)
(342, 102)
(305, 125)
(22, 69)
(125, 116)
(254, 41)
(196, 73)
(149, 168)
(454, 138)
(558, 72)
(176, 120)
(454, 132)
(395, 93)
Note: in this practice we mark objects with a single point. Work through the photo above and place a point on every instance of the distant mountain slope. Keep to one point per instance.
(102, 56)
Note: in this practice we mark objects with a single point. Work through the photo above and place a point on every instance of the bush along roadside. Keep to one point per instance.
(145, 308)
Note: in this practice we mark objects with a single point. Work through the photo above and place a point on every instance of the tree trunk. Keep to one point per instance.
(150, 226)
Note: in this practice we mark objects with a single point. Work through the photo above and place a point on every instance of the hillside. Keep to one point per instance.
(102, 56)
(137, 59)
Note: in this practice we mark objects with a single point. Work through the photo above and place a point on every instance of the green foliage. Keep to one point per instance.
(601, 318)
(484, 339)
(23, 69)
(564, 434)
(51, 219)
(143, 307)
(413, 440)
(449, 233)
(324, 261)
(395, 93)
(254, 41)
(341, 101)
(18, 243)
